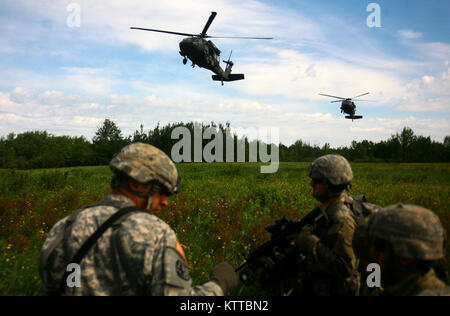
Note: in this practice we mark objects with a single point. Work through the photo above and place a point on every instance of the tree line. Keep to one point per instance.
(40, 149)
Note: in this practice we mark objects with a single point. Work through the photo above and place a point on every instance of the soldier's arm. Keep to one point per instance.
(50, 271)
(339, 259)
(156, 261)
(175, 280)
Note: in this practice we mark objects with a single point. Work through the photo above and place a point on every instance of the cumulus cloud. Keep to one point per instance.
(409, 34)
(78, 115)
(302, 76)
(283, 77)
(428, 93)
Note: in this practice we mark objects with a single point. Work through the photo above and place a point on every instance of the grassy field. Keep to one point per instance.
(220, 213)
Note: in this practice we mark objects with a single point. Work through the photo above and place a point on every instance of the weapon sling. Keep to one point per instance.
(93, 239)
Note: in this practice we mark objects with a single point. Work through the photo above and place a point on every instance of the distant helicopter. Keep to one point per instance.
(204, 53)
(347, 106)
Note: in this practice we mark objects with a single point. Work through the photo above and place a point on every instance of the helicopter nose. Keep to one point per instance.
(185, 45)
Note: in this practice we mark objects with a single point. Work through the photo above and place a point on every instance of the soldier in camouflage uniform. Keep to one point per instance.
(330, 264)
(404, 240)
(139, 254)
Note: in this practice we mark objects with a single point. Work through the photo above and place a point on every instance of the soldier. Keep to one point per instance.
(404, 240)
(330, 265)
(139, 253)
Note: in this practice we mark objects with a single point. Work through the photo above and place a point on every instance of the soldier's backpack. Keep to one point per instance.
(112, 220)
(360, 208)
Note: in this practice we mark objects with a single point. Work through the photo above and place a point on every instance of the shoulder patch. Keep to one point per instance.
(182, 270)
(176, 272)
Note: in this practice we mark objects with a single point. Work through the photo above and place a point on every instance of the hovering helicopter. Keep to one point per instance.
(204, 53)
(347, 105)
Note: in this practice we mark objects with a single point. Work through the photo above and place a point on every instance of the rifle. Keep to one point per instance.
(270, 257)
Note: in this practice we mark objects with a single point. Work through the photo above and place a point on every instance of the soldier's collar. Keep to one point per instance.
(116, 200)
(323, 211)
(325, 206)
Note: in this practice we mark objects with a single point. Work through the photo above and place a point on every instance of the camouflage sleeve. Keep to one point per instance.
(148, 253)
(49, 275)
(338, 258)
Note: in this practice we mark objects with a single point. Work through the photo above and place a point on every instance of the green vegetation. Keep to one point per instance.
(220, 213)
(39, 149)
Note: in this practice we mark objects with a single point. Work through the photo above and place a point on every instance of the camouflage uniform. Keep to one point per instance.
(138, 255)
(427, 284)
(331, 264)
(331, 261)
(414, 233)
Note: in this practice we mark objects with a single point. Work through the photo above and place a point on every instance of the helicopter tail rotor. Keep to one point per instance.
(229, 64)
(227, 75)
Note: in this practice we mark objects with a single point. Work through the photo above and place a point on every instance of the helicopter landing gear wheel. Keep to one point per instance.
(184, 61)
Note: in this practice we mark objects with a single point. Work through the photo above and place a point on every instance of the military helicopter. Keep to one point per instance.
(204, 53)
(347, 105)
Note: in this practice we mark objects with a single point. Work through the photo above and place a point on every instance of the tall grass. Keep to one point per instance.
(219, 215)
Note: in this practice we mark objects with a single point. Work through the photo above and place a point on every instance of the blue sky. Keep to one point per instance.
(67, 80)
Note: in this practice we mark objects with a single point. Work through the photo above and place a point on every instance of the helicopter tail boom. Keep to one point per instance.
(355, 117)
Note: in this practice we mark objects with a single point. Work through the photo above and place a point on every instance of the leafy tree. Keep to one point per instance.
(407, 138)
(108, 132)
(108, 141)
(139, 136)
(447, 141)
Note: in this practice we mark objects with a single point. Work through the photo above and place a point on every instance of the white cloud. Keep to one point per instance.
(409, 34)
(89, 80)
(83, 117)
(428, 93)
(22, 95)
(283, 77)
(303, 76)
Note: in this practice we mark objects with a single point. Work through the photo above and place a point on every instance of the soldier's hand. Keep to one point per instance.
(223, 274)
(306, 242)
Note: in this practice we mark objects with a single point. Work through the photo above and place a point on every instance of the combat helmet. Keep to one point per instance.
(145, 163)
(333, 168)
(412, 231)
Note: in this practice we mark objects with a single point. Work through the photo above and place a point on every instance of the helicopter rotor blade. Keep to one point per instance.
(360, 95)
(208, 24)
(240, 37)
(161, 31)
(336, 101)
(327, 95)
